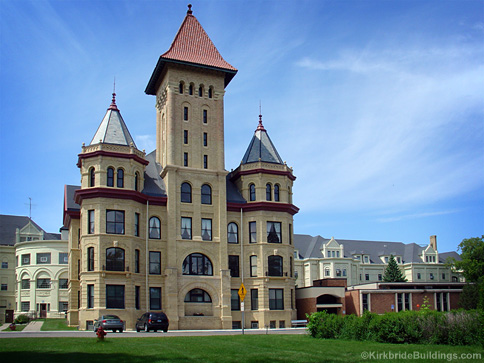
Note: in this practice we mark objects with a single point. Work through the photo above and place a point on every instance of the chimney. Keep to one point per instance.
(433, 242)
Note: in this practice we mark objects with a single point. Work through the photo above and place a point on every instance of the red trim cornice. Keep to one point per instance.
(263, 206)
(263, 171)
(116, 193)
(111, 154)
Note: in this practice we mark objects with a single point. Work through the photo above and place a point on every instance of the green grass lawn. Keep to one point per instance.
(240, 348)
(55, 324)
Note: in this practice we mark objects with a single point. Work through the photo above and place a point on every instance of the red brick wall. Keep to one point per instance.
(418, 299)
(454, 300)
(352, 299)
(304, 306)
(382, 303)
(338, 282)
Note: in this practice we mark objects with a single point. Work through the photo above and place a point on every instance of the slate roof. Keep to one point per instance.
(233, 193)
(112, 129)
(69, 203)
(310, 247)
(9, 225)
(154, 184)
(261, 148)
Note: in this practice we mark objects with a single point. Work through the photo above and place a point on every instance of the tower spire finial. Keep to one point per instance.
(260, 126)
(113, 101)
(189, 11)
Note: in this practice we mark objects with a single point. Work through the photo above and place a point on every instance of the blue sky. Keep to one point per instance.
(377, 105)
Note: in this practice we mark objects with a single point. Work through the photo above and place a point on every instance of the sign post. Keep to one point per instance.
(242, 293)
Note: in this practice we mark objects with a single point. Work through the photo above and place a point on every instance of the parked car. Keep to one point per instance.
(109, 322)
(152, 321)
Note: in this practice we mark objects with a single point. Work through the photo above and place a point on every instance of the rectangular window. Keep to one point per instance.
(185, 113)
(380, 277)
(205, 139)
(367, 277)
(407, 301)
(155, 298)
(25, 284)
(276, 299)
(4, 264)
(136, 261)
(431, 276)
(274, 232)
(186, 228)
(443, 276)
(234, 300)
(155, 263)
(252, 232)
(399, 301)
(206, 229)
(63, 306)
(282, 324)
(114, 221)
(254, 299)
(253, 266)
(63, 283)
(290, 234)
(63, 258)
(205, 161)
(234, 266)
(43, 258)
(364, 298)
(419, 276)
(90, 259)
(90, 222)
(344, 272)
(205, 116)
(137, 297)
(25, 306)
(438, 300)
(90, 296)
(115, 296)
(185, 159)
(4, 287)
(445, 296)
(136, 224)
(185, 137)
(43, 283)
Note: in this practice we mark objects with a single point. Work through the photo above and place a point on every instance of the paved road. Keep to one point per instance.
(132, 334)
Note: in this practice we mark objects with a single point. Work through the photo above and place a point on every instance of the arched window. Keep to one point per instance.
(120, 178)
(92, 177)
(136, 181)
(114, 259)
(251, 192)
(206, 194)
(276, 193)
(198, 296)
(210, 92)
(186, 193)
(268, 192)
(197, 264)
(233, 233)
(275, 265)
(200, 91)
(110, 176)
(190, 89)
(180, 87)
(155, 228)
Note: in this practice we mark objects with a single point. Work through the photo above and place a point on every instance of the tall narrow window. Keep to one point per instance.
(364, 298)
(92, 177)
(136, 261)
(276, 299)
(90, 259)
(252, 232)
(185, 137)
(137, 294)
(155, 228)
(190, 89)
(120, 178)
(205, 139)
(253, 266)
(232, 233)
(210, 92)
(186, 228)
(186, 193)
(290, 234)
(155, 298)
(200, 91)
(185, 113)
(136, 181)
(275, 265)
(114, 259)
(276, 192)
(155, 263)
(290, 267)
(115, 221)
(115, 296)
(205, 116)
(251, 192)
(254, 299)
(136, 224)
(234, 265)
(90, 221)
(268, 192)
(234, 300)
(206, 229)
(90, 296)
(274, 232)
(205, 161)
(185, 159)
(110, 177)
(206, 194)
(180, 88)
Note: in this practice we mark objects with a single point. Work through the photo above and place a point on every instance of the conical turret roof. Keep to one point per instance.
(261, 148)
(112, 129)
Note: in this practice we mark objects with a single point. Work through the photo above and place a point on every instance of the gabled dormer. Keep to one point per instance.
(332, 249)
(430, 253)
(29, 233)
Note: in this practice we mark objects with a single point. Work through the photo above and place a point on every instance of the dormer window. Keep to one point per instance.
(357, 257)
(386, 259)
(366, 259)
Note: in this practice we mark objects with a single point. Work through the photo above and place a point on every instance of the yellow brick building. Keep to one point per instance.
(172, 230)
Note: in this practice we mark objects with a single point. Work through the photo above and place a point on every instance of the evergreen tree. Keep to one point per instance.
(393, 272)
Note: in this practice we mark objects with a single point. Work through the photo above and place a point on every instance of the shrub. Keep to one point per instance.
(324, 325)
(22, 319)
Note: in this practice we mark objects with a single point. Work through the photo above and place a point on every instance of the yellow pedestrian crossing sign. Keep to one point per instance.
(242, 292)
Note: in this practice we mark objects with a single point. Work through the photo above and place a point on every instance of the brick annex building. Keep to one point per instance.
(172, 230)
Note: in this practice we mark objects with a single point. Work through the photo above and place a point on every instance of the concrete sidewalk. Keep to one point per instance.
(34, 325)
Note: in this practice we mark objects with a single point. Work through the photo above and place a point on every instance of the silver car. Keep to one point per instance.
(109, 322)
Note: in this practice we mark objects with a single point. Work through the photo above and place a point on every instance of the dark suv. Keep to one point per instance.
(152, 321)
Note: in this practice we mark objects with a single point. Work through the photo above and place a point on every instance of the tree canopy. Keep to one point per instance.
(393, 272)
(472, 258)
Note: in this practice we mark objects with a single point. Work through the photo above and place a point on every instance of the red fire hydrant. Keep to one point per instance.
(100, 333)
